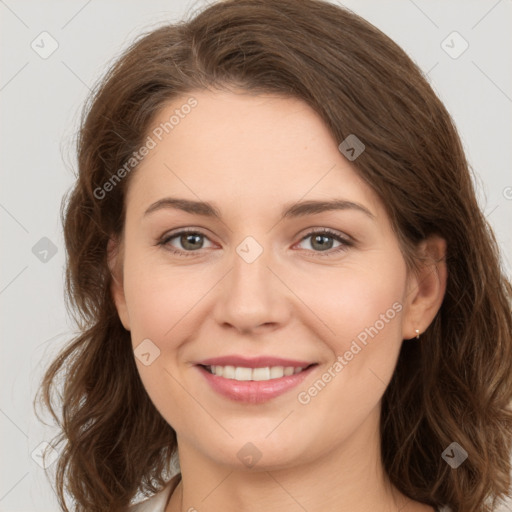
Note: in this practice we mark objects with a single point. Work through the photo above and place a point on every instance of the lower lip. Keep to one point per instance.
(254, 391)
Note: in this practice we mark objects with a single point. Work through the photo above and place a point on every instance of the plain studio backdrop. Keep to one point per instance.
(54, 51)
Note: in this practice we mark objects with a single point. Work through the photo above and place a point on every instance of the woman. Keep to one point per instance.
(288, 292)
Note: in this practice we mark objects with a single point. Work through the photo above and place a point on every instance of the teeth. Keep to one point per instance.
(217, 370)
(260, 373)
(276, 372)
(241, 373)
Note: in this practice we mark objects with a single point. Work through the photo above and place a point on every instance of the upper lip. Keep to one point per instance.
(254, 362)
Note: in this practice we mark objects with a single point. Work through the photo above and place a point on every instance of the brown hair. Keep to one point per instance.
(455, 384)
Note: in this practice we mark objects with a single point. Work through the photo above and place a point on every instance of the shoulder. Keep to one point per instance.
(158, 502)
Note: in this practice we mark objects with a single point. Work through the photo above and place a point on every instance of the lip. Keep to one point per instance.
(253, 392)
(254, 362)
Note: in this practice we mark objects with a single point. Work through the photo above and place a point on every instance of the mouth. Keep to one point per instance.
(253, 384)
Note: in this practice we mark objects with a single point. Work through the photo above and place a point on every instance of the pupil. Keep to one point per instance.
(323, 238)
(185, 240)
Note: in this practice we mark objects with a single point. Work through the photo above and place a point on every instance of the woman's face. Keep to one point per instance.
(256, 282)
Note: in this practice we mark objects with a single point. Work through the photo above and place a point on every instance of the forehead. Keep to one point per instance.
(253, 150)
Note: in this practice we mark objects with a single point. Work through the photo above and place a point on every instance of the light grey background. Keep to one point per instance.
(40, 99)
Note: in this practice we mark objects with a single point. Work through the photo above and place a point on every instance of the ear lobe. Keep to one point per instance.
(427, 287)
(115, 264)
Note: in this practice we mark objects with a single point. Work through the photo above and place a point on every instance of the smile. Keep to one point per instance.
(241, 373)
(254, 385)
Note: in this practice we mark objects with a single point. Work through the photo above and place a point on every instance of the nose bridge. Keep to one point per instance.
(250, 293)
(251, 276)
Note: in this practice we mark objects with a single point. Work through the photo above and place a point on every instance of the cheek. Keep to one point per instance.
(160, 301)
(363, 310)
(159, 297)
(349, 300)
(361, 306)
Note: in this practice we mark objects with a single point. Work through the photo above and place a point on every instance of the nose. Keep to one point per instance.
(252, 296)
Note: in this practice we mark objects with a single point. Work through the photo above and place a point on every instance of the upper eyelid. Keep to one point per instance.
(181, 231)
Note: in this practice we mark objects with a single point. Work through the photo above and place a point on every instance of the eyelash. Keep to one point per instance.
(345, 243)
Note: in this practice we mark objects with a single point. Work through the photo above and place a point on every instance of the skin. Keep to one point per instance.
(250, 155)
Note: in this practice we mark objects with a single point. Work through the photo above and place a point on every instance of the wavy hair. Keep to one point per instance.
(455, 384)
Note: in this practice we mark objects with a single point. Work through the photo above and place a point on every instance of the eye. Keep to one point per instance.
(321, 239)
(191, 241)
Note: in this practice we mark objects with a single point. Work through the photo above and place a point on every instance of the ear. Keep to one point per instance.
(426, 287)
(115, 264)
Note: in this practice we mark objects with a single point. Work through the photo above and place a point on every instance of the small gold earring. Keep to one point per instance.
(417, 334)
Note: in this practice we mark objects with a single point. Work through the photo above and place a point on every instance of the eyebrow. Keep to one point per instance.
(292, 210)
